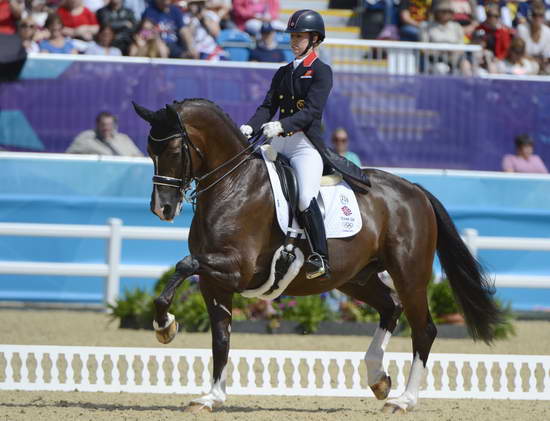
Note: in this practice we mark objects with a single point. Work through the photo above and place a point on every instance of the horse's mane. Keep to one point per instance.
(217, 109)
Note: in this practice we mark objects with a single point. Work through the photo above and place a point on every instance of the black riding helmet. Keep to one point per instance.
(307, 21)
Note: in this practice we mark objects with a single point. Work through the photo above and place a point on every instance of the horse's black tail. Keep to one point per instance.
(471, 286)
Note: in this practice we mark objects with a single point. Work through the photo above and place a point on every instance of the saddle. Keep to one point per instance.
(289, 183)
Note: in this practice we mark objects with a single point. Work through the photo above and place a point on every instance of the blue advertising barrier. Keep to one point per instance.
(89, 190)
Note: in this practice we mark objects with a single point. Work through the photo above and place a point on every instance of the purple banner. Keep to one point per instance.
(400, 121)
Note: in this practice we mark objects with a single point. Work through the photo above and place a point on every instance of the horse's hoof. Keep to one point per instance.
(166, 335)
(382, 389)
(197, 408)
(391, 408)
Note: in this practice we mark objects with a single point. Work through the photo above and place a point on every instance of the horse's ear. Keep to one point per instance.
(143, 112)
(172, 112)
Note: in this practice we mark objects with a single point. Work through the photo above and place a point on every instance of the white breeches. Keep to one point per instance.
(306, 161)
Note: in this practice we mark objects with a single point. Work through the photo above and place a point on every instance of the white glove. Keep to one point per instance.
(246, 130)
(272, 129)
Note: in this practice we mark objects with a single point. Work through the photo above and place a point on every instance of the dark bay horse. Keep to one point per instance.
(234, 234)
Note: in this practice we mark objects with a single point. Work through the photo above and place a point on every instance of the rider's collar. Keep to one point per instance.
(307, 60)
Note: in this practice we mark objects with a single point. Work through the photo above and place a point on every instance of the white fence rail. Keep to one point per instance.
(398, 57)
(115, 232)
(264, 372)
(112, 270)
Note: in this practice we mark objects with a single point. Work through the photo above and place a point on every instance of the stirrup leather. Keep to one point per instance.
(316, 260)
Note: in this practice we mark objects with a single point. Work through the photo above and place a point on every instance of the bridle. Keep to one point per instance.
(183, 184)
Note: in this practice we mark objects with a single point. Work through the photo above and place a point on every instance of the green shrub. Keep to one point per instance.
(309, 311)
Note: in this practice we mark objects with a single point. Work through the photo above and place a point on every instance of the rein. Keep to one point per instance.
(183, 184)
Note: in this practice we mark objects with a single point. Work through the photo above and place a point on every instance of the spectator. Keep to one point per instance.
(147, 42)
(412, 15)
(536, 35)
(10, 13)
(497, 35)
(223, 9)
(136, 6)
(204, 26)
(507, 14)
(169, 20)
(250, 14)
(465, 14)
(524, 160)
(39, 12)
(444, 30)
(104, 140)
(26, 28)
(121, 20)
(94, 5)
(517, 62)
(267, 49)
(103, 44)
(57, 43)
(486, 60)
(78, 21)
(340, 144)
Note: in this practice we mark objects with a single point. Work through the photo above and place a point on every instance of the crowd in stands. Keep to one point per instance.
(144, 28)
(514, 33)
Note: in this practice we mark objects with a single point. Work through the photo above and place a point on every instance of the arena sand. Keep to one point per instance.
(50, 327)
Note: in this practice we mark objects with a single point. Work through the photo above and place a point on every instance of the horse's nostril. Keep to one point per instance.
(166, 210)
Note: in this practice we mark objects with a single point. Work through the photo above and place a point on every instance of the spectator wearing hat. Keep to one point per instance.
(444, 30)
(524, 160)
(267, 49)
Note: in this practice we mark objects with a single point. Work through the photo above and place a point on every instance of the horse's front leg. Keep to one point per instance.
(165, 324)
(219, 304)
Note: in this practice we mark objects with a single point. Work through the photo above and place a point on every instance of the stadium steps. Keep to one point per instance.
(337, 21)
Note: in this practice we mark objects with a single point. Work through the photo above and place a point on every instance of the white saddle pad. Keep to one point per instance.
(342, 217)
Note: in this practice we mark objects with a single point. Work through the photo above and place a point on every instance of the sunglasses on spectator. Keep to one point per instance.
(538, 15)
(340, 140)
(27, 25)
(492, 15)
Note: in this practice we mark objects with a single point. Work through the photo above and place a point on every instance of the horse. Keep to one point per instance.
(234, 234)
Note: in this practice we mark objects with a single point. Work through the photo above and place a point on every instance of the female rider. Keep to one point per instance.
(299, 90)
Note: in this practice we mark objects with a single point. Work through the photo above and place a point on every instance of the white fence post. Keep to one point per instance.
(114, 246)
(470, 238)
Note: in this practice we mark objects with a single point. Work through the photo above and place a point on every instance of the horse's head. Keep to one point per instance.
(168, 146)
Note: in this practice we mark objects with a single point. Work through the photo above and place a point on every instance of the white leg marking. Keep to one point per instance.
(375, 355)
(216, 397)
(409, 398)
(224, 308)
(169, 319)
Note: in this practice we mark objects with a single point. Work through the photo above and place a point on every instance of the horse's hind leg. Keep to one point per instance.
(165, 324)
(376, 294)
(411, 282)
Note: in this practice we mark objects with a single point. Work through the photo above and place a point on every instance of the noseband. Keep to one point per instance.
(184, 184)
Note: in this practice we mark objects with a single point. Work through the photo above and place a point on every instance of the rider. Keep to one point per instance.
(299, 90)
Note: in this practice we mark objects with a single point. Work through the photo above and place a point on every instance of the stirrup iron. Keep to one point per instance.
(317, 261)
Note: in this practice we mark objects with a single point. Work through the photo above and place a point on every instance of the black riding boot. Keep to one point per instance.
(312, 221)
